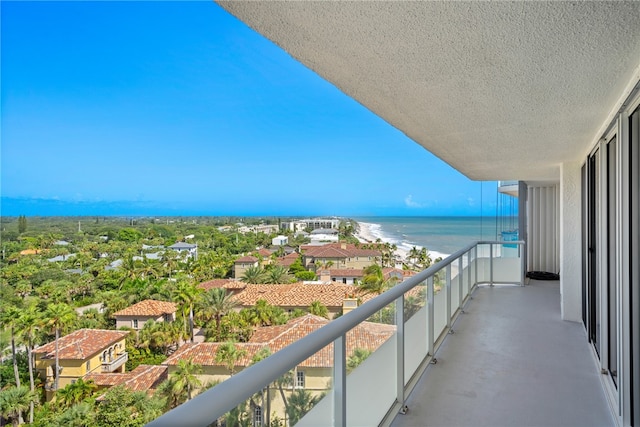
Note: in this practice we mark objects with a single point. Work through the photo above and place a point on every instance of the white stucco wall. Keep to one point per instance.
(570, 242)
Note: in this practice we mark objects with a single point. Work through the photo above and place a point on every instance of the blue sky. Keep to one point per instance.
(163, 108)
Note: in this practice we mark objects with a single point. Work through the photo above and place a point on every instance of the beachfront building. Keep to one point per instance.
(338, 256)
(544, 93)
(137, 315)
(80, 353)
(324, 235)
(310, 224)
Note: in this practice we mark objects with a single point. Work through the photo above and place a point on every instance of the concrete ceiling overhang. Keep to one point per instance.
(498, 90)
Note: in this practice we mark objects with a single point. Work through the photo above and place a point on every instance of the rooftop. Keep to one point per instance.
(81, 344)
(298, 294)
(148, 307)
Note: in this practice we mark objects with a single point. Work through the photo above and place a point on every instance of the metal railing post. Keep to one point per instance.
(448, 294)
(430, 316)
(475, 259)
(400, 353)
(340, 381)
(522, 263)
(460, 280)
(490, 264)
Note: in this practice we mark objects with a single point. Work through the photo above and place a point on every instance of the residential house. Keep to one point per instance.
(324, 235)
(300, 296)
(185, 249)
(314, 374)
(346, 276)
(242, 264)
(338, 255)
(80, 353)
(288, 259)
(137, 315)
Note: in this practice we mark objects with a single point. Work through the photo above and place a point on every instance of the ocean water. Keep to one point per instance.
(444, 235)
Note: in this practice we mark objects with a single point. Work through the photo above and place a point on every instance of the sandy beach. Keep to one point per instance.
(369, 233)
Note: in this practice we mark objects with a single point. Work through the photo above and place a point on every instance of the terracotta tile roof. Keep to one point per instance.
(337, 250)
(204, 354)
(346, 272)
(81, 344)
(367, 335)
(246, 259)
(222, 283)
(142, 378)
(405, 273)
(148, 307)
(264, 253)
(297, 294)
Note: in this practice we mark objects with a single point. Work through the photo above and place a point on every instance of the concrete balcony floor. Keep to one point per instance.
(511, 362)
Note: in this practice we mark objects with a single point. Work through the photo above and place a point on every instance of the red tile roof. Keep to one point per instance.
(222, 283)
(246, 259)
(148, 307)
(337, 250)
(81, 344)
(142, 378)
(367, 335)
(297, 294)
(265, 253)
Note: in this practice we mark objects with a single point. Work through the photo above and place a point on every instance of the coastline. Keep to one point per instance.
(369, 232)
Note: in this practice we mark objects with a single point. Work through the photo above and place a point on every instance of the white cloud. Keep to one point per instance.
(411, 203)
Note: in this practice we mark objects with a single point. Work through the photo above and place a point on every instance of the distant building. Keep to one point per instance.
(338, 256)
(188, 249)
(242, 264)
(310, 224)
(138, 314)
(324, 235)
(280, 241)
(145, 378)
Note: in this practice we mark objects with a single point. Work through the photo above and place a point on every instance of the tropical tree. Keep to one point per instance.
(254, 274)
(216, 303)
(14, 401)
(357, 357)
(80, 415)
(318, 309)
(58, 317)
(375, 283)
(229, 354)
(424, 259)
(9, 319)
(28, 326)
(300, 402)
(187, 294)
(185, 377)
(75, 393)
(277, 274)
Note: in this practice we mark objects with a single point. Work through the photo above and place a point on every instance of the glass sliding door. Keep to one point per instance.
(633, 304)
(593, 270)
(611, 288)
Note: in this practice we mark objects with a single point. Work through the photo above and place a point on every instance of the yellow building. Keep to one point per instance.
(313, 375)
(80, 353)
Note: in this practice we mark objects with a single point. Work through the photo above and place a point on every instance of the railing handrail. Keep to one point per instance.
(226, 395)
(116, 359)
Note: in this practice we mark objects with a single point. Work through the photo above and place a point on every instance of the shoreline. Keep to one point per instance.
(369, 232)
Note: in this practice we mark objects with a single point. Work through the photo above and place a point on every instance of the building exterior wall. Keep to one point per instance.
(128, 321)
(570, 242)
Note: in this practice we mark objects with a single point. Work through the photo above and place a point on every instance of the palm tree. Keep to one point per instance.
(254, 274)
(185, 377)
(27, 329)
(424, 259)
(229, 354)
(300, 402)
(58, 317)
(374, 282)
(14, 401)
(318, 309)
(357, 357)
(75, 393)
(9, 319)
(187, 294)
(278, 274)
(413, 254)
(217, 303)
(80, 415)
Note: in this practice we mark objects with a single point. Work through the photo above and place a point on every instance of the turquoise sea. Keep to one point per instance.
(444, 235)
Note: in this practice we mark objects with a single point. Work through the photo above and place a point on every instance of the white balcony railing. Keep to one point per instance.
(112, 365)
(424, 308)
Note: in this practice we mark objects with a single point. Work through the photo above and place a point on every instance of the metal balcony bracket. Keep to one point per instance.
(434, 361)
(403, 410)
(451, 332)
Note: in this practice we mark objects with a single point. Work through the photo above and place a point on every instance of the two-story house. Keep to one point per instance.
(80, 353)
(137, 315)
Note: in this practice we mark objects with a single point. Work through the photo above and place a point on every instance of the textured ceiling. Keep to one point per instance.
(499, 90)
